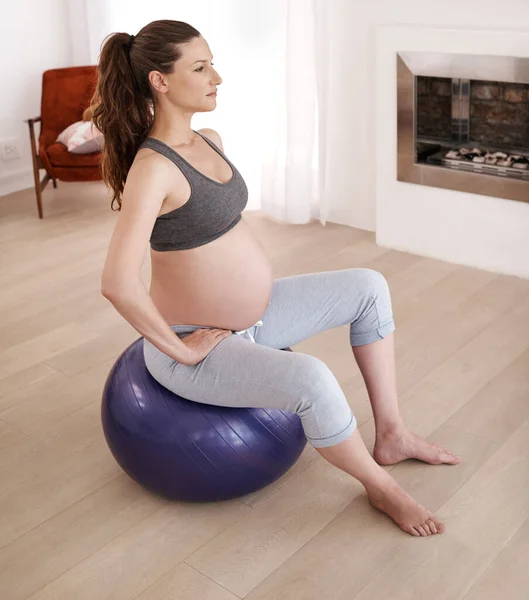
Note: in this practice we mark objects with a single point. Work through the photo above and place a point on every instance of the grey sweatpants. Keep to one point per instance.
(250, 369)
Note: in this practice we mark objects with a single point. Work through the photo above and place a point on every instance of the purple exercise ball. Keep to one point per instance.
(189, 451)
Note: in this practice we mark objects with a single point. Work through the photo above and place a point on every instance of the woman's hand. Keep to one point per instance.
(201, 342)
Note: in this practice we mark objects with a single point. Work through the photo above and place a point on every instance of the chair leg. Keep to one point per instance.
(40, 186)
(38, 192)
(36, 166)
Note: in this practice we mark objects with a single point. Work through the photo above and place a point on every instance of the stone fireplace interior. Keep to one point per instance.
(479, 126)
(463, 123)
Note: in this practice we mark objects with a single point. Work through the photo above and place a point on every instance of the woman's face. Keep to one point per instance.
(192, 79)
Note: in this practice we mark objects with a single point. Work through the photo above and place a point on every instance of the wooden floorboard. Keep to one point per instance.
(74, 526)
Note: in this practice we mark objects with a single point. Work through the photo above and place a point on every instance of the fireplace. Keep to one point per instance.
(463, 123)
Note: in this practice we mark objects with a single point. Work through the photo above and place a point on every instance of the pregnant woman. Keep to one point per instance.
(214, 319)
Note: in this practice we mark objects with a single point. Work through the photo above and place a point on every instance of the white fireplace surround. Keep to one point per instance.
(464, 228)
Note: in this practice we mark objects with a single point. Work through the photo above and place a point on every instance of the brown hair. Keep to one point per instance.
(123, 101)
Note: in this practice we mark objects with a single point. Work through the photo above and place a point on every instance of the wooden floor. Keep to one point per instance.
(73, 526)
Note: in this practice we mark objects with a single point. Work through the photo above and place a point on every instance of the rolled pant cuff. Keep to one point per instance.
(367, 337)
(336, 438)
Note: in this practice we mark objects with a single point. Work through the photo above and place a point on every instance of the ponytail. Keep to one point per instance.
(123, 101)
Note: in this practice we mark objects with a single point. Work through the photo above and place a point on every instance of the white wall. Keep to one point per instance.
(470, 229)
(33, 37)
(352, 152)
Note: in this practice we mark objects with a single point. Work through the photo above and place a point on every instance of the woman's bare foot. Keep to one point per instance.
(409, 515)
(392, 448)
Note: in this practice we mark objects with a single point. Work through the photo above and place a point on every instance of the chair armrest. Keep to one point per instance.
(33, 141)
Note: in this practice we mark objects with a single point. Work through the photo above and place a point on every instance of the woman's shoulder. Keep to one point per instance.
(212, 135)
(151, 163)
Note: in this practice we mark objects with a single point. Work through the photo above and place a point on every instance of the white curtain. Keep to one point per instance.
(272, 108)
(293, 160)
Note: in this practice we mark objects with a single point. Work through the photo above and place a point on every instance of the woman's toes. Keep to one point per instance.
(431, 525)
(451, 454)
(421, 530)
(446, 456)
(426, 527)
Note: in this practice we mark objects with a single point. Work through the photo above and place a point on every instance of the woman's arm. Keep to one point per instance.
(134, 303)
(121, 283)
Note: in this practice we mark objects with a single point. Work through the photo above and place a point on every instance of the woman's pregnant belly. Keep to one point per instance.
(226, 283)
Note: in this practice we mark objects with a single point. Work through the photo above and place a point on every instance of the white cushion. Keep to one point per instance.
(82, 137)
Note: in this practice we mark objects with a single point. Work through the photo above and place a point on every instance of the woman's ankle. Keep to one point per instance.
(378, 481)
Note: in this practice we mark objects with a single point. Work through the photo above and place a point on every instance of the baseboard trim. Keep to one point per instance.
(16, 181)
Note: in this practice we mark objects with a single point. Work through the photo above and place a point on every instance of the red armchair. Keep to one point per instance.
(66, 93)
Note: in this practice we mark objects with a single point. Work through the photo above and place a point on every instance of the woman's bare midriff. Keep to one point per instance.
(226, 283)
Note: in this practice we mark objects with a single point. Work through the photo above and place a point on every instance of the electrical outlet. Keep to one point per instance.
(9, 150)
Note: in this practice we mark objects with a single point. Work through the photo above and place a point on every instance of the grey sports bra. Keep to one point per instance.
(211, 211)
